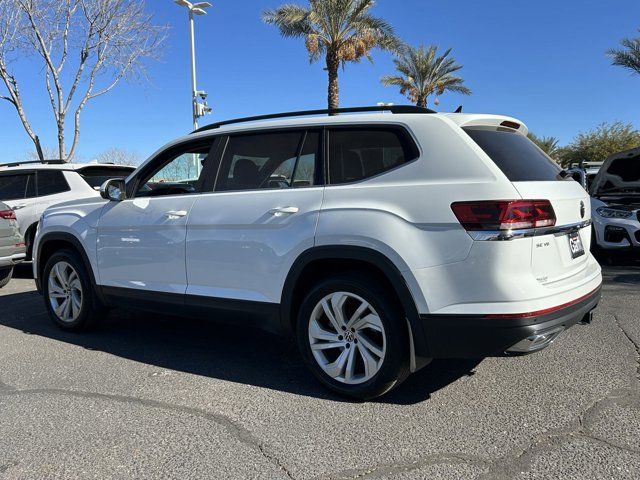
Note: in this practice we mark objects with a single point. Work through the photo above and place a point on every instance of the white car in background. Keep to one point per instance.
(30, 187)
(380, 240)
(615, 202)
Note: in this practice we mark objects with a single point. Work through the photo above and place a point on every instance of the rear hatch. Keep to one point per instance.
(562, 252)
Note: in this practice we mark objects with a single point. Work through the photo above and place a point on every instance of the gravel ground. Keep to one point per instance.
(154, 397)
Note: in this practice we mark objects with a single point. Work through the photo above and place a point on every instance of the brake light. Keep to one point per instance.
(504, 214)
(8, 214)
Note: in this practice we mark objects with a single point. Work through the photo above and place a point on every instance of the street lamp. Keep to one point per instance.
(199, 109)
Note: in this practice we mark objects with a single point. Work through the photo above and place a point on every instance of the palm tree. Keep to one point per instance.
(341, 30)
(628, 56)
(549, 145)
(422, 73)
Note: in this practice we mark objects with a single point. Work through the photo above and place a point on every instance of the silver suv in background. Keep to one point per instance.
(30, 187)
(12, 247)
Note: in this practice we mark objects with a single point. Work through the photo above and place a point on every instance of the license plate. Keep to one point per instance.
(575, 245)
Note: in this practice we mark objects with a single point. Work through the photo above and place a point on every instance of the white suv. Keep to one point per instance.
(380, 240)
(30, 187)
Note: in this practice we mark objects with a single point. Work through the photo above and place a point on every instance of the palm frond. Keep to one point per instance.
(628, 56)
(291, 20)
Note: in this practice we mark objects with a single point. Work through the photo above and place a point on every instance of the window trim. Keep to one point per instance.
(303, 130)
(163, 158)
(405, 136)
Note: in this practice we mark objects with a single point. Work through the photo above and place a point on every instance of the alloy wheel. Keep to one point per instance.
(65, 292)
(347, 338)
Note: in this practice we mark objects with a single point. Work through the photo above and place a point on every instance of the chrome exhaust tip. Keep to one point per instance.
(536, 342)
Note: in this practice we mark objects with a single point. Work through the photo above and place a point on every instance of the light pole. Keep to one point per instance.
(199, 109)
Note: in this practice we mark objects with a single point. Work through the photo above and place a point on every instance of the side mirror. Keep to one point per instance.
(114, 190)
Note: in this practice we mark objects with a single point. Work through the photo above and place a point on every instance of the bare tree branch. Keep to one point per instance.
(93, 44)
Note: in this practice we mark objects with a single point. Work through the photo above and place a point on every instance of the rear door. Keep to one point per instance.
(555, 256)
(243, 237)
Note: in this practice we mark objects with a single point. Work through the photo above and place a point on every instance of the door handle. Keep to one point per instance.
(18, 207)
(174, 214)
(280, 211)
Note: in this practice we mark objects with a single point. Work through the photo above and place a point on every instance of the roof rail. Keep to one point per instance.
(32, 162)
(303, 113)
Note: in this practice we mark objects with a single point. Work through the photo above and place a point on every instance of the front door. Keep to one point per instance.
(141, 240)
(243, 237)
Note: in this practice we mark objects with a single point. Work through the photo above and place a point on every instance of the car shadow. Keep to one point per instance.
(209, 349)
(620, 268)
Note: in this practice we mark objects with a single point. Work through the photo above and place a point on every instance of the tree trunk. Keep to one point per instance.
(422, 101)
(334, 88)
(61, 155)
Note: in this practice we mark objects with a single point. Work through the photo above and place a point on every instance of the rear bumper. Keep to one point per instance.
(468, 336)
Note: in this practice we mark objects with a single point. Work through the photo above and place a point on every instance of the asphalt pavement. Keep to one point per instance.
(145, 396)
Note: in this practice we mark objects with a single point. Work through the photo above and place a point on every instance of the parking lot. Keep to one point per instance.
(150, 397)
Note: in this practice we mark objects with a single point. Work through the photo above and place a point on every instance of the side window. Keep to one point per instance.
(179, 175)
(51, 182)
(17, 187)
(269, 161)
(356, 154)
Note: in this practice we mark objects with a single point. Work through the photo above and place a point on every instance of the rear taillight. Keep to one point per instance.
(504, 214)
(8, 214)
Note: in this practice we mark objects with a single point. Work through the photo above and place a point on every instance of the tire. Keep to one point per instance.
(70, 281)
(383, 339)
(5, 277)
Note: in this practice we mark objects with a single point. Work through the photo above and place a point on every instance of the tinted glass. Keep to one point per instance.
(305, 172)
(17, 187)
(517, 156)
(260, 161)
(96, 176)
(51, 182)
(358, 154)
(179, 176)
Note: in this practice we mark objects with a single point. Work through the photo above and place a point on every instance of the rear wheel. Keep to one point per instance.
(68, 292)
(5, 276)
(353, 337)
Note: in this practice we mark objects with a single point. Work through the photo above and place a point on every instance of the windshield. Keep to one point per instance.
(96, 176)
(517, 156)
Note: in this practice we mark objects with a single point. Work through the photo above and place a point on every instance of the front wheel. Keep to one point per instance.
(68, 292)
(353, 337)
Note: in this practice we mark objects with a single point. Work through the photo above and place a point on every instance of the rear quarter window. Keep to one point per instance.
(517, 156)
(51, 182)
(358, 153)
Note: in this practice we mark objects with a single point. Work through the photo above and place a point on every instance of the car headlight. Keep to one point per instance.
(607, 212)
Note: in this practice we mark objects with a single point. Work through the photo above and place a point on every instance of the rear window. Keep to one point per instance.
(517, 156)
(96, 176)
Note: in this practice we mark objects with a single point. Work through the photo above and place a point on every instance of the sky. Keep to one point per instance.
(541, 61)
